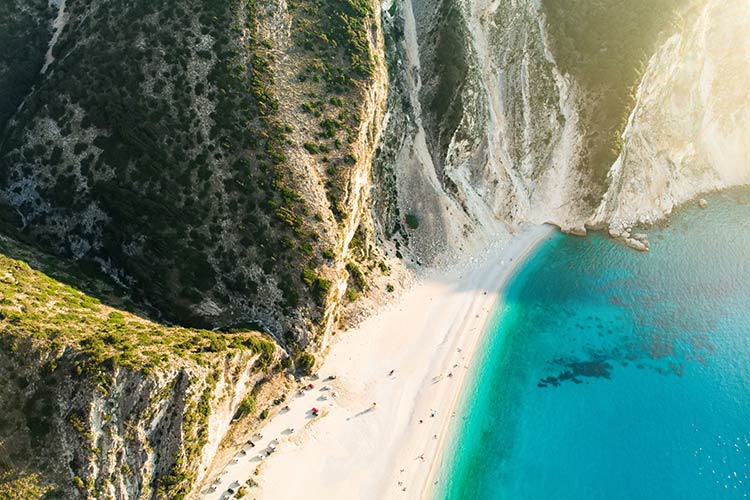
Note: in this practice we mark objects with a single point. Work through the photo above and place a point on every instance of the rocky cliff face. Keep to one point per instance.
(127, 436)
(688, 132)
(213, 157)
(483, 129)
(230, 163)
(503, 113)
(102, 403)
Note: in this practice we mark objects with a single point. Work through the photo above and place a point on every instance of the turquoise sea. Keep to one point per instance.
(608, 374)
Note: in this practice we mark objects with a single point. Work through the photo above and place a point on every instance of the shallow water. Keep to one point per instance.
(612, 374)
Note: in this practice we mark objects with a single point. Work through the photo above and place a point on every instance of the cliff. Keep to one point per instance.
(688, 131)
(177, 175)
(505, 113)
(205, 164)
(101, 403)
(482, 130)
(212, 157)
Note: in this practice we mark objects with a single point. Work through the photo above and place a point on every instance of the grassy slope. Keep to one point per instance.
(51, 314)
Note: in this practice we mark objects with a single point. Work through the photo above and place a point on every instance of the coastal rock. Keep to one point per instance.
(640, 245)
(576, 230)
(702, 203)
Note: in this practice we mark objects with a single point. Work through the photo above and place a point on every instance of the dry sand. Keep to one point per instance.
(355, 450)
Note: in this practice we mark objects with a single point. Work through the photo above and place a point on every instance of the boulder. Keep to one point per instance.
(640, 245)
(577, 231)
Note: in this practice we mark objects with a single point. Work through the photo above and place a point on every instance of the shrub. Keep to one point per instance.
(356, 274)
(246, 407)
(321, 287)
(305, 363)
(351, 294)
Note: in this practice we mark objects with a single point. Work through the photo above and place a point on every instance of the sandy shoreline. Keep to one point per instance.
(355, 449)
(518, 249)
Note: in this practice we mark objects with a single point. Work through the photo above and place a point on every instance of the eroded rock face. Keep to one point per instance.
(484, 131)
(688, 133)
(123, 435)
(490, 136)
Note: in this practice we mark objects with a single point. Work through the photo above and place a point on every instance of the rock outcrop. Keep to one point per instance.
(688, 132)
(102, 403)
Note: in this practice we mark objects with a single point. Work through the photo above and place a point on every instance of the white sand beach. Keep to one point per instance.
(355, 449)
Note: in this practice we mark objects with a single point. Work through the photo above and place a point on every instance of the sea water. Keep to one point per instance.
(610, 374)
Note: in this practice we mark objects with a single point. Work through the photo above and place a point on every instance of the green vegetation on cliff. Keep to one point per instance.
(52, 315)
(23, 486)
(24, 35)
(155, 146)
(168, 131)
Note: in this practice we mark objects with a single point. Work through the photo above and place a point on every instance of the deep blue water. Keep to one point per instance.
(609, 374)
